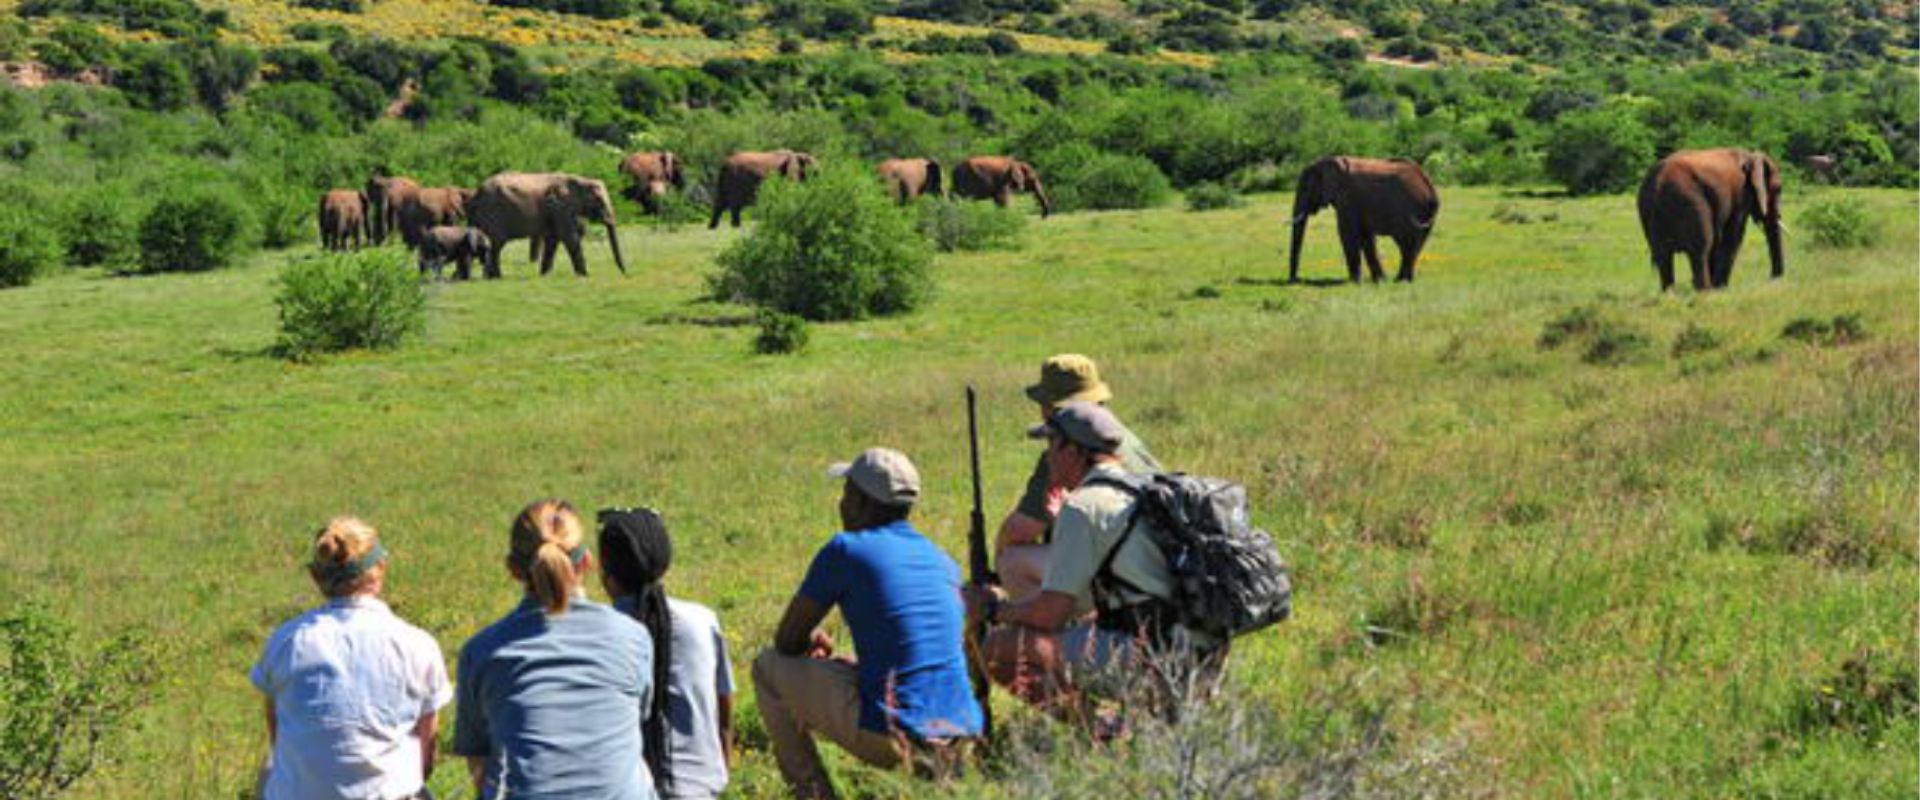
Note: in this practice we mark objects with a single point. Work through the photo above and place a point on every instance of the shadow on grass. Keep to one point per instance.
(1310, 283)
(1539, 194)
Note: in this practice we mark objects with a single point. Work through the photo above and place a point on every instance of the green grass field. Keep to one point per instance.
(1615, 579)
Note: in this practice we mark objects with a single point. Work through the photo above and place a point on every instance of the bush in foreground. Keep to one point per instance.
(960, 225)
(63, 704)
(368, 300)
(100, 232)
(831, 248)
(27, 250)
(192, 233)
(1840, 224)
(779, 333)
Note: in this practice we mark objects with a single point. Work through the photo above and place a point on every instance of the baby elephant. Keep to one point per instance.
(443, 243)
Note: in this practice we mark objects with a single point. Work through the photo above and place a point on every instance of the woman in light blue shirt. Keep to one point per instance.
(550, 695)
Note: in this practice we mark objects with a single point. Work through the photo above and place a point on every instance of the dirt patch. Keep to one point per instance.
(35, 75)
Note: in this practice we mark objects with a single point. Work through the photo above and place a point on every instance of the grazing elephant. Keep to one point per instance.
(741, 174)
(461, 245)
(1370, 197)
(908, 178)
(384, 196)
(652, 175)
(429, 207)
(997, 178)
(343, 218)
(1698, 202)
(546, 207)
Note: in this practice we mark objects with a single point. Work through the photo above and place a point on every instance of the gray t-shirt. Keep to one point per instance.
(696, 680)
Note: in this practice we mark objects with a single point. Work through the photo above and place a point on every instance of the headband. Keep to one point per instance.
(339, 574)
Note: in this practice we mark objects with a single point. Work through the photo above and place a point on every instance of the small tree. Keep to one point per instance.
(831, 248)
(367, 300)
(63, 704)
(1600, 150)
(192, 233)
(27, 250)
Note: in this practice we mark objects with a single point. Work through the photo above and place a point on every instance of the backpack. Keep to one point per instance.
(1228, 577)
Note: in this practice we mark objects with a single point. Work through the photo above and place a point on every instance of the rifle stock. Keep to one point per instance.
(979, 573)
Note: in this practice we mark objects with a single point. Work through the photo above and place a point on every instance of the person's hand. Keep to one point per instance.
(978, 597)
(821, 645)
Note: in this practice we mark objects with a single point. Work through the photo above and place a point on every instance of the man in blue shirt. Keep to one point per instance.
(899, 594)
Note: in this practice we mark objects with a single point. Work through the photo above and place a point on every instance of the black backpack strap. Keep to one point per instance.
(1105, 571)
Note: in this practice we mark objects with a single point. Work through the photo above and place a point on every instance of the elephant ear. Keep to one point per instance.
(1763, 181)
(674, 175)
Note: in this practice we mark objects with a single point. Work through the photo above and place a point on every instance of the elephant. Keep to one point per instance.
(996, 178)
(384, 195)
(343, 218)
(741, 174)
(652, 175)
(1370, 197)
(461, 245)
(429, 207)
(546, 207)
(1823, 166)
(1698, 202)
(908, 178)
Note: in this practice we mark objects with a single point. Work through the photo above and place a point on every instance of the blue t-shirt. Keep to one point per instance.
(900, 596)
(553, 703)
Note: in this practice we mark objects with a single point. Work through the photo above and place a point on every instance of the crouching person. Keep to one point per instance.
(353, 691)
(906, 697)
(1102, 560)
(444, 243)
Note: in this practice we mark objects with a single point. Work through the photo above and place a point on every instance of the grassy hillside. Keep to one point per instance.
(1639, 576)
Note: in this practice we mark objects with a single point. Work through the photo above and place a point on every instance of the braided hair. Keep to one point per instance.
(636, 552)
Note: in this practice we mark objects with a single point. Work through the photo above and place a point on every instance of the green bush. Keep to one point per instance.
(1843, 329)
(959, 225)
(284, 216)
(1695, 339)
(1080, 177)
(1211, 196)
(831, 248)
(779, 333)
(192, 233)
(1840, 224)
(99, 231)
(1600, 150)
(27, 249)
(369, 300)
(63, 704)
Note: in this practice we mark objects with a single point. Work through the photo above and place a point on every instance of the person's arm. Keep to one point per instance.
(1045, 611)
(1031, 515)
(798, 626)
(427, 730)
(1019, 529)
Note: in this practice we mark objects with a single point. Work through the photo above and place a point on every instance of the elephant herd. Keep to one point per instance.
(1695, 203)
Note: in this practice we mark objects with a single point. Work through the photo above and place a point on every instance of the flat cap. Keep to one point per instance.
(882, 474)
(1089, 425)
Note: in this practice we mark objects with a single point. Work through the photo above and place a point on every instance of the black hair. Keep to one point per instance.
(636, 551)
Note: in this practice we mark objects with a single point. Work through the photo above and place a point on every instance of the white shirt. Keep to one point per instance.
(349, 681)
(698, 677)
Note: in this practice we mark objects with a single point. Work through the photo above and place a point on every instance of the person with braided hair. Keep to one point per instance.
(550, 695)
(353, 691)
(688, 727)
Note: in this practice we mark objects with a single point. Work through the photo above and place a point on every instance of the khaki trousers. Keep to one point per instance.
(800, 697)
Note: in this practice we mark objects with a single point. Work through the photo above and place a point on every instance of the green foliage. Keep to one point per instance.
(779, 333)
(176, 19)
(1872, 692)
(1842, 329)
(1602, 150)
(821, 19)
(1212, 196)
(27, 248)
(1078, 177)
(283, 215)
(369, 300)
(192, 232)
(831, 248)
(154, 80)
(98, 228)
(1695, 339)
(1839, 224)
(1616, 344)
(64, 704)
(962, 226)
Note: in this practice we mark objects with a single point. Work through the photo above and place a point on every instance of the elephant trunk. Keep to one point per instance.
(1299, 238)
(1774, 243)
(1046, 206)
(613, 241)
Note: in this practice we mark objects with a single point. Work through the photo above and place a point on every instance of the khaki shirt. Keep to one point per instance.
(1037, 501)
(1091, 521)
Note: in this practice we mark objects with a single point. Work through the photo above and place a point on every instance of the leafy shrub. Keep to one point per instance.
(1079, 177)
(1210, 196)
(831, 248)
(154, 80)
(283, 216)
(63, 704)
(1840, 224)
(192, 232)
(1843, 329)
(958, 225)
(99, 231)
(27, 249)
(1601, 150)
(779, 333)
(1615, 344)
(1695, 339)
(369, 300)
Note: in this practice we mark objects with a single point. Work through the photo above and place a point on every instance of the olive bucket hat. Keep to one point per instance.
(1067, 378)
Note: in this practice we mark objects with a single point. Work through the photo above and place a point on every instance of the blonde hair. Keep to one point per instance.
(336, 547)
(548, 538)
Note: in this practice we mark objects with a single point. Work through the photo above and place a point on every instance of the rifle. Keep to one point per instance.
(979, 573)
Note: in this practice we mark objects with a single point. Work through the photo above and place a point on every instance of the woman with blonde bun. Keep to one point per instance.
(353, 691)
(550, 695)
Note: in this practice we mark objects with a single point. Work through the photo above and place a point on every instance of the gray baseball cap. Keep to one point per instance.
(1089, 425)
(884, 475)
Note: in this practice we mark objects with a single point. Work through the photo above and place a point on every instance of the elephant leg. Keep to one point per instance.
(1001, 198)
(1697, 261)
(1350, 247)
(1726, 251)
(718, 209)
(575, 255)
(1663, 264)
(1369, 246)
(736, 215)
(546, 258)
(490, 264)
(1410, 247)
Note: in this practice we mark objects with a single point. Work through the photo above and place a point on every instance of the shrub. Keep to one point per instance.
(1601, 150)
(1840, 224)
(27, 249)
(828, 249)
(367, 300)
(1695, 339)
(283, 215)
(1843, 329)
(191, 233)
(99, 231)
(1082, 178)
(1211, 196)
(63, 704)
(779, 333)
(1615, 344)
(958, 225)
